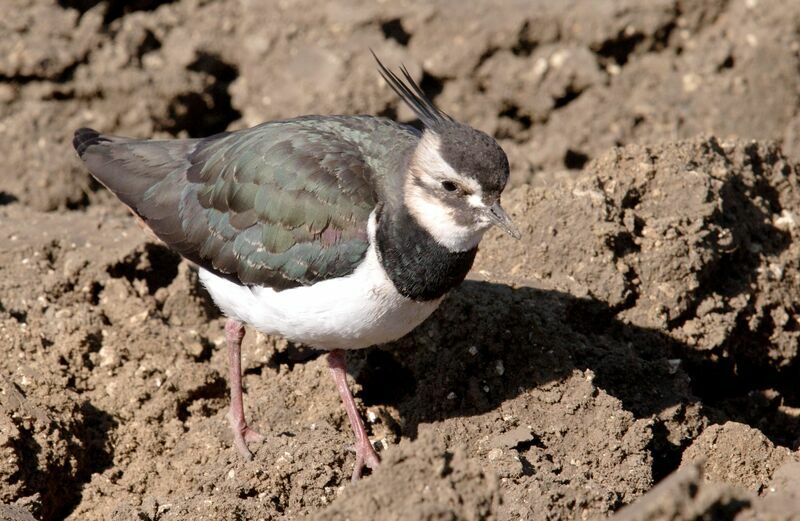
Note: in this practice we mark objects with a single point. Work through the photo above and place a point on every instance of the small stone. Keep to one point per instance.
(195, 349)
(108, 356)
(785, 221)
(559, 58)
(513, 438)
(691, 82)
(73, 264)
(138, 318)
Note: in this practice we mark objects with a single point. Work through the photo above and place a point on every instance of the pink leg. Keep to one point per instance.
(234, 333)
(365, 453)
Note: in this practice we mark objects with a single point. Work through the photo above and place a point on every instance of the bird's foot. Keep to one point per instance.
(242, 435)
(365, 457)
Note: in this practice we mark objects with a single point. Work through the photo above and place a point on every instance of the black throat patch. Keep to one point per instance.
(419, 267)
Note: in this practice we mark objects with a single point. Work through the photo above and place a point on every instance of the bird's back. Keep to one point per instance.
(282, 204)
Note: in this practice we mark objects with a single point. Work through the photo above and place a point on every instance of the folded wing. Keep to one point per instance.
(283, 204)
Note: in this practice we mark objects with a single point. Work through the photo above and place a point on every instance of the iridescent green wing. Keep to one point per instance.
(283, 204)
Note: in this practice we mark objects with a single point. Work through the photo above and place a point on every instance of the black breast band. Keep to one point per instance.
(420, 268)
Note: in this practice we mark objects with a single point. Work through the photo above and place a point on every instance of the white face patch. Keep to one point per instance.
(424, 202)
(475, 201)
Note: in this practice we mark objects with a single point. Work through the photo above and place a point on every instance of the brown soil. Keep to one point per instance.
(638, 347)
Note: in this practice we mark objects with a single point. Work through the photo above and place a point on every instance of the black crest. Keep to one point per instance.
(412, 95)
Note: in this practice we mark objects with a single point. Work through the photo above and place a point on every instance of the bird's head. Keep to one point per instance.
(456, 174)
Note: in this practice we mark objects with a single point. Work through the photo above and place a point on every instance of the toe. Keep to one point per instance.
(251, 435)
(359, 467)
(372, 460)
(242, 435)
(241, 446)
(365, 457)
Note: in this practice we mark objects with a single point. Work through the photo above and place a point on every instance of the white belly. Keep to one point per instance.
(352, 312)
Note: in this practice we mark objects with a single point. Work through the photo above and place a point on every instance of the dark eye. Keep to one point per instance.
(449, 186)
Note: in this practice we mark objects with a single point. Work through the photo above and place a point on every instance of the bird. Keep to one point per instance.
(336, 232)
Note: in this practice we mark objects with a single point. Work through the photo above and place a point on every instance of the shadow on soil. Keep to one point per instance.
(90, 447)
(542, 336)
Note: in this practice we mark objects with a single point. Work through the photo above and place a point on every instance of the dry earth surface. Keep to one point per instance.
(635, 355)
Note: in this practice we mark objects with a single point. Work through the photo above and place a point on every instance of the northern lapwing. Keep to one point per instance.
(337, 232)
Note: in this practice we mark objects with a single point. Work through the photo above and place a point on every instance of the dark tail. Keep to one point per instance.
(86, 137)
(130, 167)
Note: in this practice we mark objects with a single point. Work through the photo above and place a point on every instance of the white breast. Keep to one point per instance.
(352, 312)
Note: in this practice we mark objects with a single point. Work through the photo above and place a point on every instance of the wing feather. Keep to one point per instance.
(282, 204)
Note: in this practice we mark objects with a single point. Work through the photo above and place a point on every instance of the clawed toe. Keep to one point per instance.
(251, 435)
(242, 435)
(365, 452)
(365, 457)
